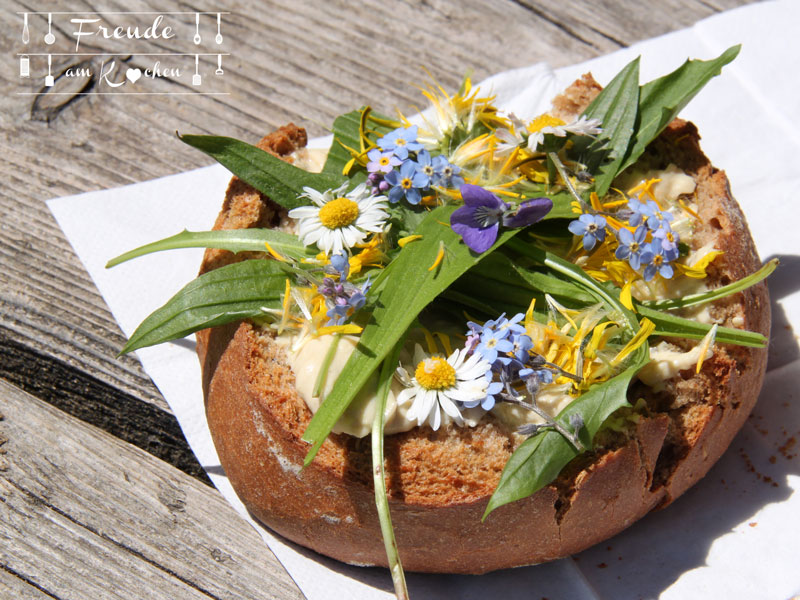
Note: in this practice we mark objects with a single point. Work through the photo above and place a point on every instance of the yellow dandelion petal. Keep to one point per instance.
(348, 329)
(274, 254)
(409, 238)
(705, 346)
(529, 314)
(645, 188)
(646, 327)
(439, 257)
(699, 268)
(625, 295)
(429, 341)
(444, 340)
(687, 208)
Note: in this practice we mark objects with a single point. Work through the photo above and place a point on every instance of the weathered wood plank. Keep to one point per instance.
(12, 586)
(84, 515)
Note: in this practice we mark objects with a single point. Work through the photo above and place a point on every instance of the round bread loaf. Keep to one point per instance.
(439, 482)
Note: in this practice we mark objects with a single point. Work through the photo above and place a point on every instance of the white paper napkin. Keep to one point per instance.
(735, 534)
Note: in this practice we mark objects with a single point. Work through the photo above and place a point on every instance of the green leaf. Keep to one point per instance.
(235, 240)
(617, 107)
(273, 177)
(230, 293)
(717, 293)
(540, 459)
(399, 300)
(662, 99)
(672, 326)
(345, 131)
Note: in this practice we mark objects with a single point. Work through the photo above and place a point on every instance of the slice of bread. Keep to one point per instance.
(439, 482)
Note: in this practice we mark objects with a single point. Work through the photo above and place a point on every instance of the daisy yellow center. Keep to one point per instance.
(435, 374)
(338, 213)
(543, 121)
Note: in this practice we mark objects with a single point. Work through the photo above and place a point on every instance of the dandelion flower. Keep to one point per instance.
(441, 384)
(335, 222)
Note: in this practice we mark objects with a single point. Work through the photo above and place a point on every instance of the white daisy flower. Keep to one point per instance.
(438, 385)
(584, 126)
(545, 124)
(339, 222)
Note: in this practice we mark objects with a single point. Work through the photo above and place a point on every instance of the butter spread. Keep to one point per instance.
(667, 361)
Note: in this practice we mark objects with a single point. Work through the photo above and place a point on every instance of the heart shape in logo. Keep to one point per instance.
(133, 75)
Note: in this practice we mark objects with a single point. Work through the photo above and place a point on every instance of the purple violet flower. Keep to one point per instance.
(478, 221)
(528, 212)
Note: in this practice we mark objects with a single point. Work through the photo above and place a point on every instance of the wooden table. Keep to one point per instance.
(101, 496)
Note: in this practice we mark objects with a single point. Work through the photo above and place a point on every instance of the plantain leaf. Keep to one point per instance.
(227, 294)
(235, 240)
(540, 458)
(617, 107)
(273, 177)
(662, 99)
(401, 297)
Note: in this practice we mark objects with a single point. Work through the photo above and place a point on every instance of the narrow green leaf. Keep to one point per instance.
(540, 459)
(275, 178)
(673, 326)
(400, 299)
(617, 107)
(715, 294)
(235, 240)
(662, 99)
(227, 294)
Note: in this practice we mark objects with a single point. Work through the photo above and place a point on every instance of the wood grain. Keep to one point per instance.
(88, 516)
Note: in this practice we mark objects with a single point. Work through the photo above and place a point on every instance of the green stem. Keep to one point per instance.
(381, 497)
(565, 176)
(322, 376)
(716, 294)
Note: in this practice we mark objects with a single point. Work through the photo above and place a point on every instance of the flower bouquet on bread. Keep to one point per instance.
(468, 266)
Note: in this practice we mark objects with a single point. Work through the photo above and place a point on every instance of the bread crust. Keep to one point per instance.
(439, 482)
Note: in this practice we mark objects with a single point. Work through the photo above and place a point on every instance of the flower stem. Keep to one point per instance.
(381, 497)
(549, 421)
(553, 156)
